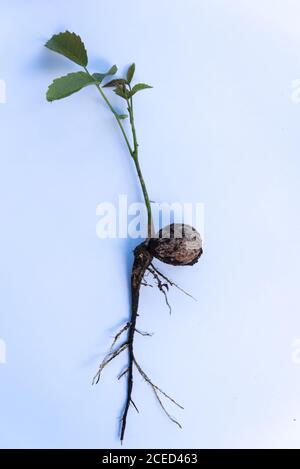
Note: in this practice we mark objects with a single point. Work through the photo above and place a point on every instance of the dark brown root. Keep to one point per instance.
(142, 260)
(118, 335)
(163, 287)
(111, 353)
(163, 283)
(158, 391)
(144, 333)
(123, 373)
(145, 282)
(132, 402)
(142, 266)
(107, 359)
(151, 268)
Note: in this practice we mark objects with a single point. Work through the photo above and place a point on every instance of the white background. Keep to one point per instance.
(219, 127)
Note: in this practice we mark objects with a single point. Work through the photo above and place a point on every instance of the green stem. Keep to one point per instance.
(133, 151)
(150, 227)
(113, 111)
(135, 156)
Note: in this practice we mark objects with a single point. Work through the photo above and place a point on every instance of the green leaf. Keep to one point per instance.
(139, 87)
(70, 45)
(112, 71)
(130, 73)
(67, 85)
(121, 91)
(99, 77)
(115, 82)
(122, 116)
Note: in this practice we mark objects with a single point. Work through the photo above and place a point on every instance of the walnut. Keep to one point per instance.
(176, 244)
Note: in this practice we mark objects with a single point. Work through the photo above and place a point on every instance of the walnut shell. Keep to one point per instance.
(176, 244)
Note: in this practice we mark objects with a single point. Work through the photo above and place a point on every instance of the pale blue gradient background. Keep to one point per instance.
(221, 113)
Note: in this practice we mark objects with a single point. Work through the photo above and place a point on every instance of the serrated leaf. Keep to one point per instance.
(139, 87)
(122, 116)
(69, 45)
(99, 77)
(67, 85)
(130, 73)
(115, 82)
